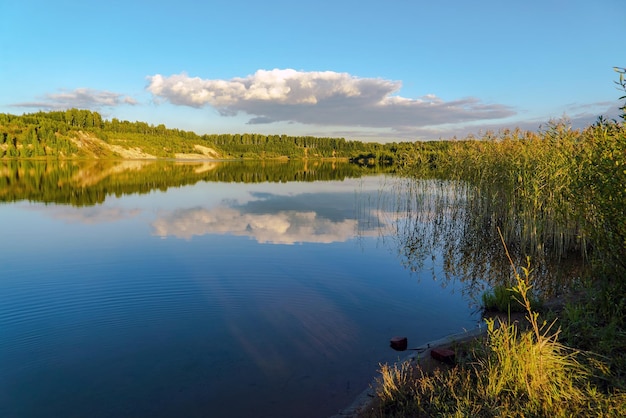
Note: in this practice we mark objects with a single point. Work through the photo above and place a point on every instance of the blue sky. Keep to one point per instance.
(366, 70)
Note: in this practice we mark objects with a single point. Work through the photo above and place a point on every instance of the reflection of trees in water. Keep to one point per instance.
(89, 182)
(449, 223)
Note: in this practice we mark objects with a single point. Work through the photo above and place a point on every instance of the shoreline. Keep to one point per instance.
(420, 354)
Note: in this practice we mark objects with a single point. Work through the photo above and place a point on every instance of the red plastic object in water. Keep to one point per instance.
(399, 343)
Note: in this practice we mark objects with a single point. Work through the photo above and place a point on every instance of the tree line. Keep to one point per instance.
(53, 134)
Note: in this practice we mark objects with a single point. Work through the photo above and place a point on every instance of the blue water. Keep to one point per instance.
(211, 300)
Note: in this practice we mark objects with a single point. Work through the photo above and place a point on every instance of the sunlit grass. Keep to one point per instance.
(521, 371)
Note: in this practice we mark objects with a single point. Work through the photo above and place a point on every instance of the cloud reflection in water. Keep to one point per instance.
(310, 217)
(283, 227)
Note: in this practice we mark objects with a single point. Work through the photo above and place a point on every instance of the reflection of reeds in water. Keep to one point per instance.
(436, 224)
(426, 222)
(457, 222)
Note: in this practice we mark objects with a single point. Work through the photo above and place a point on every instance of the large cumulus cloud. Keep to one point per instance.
(320, 98)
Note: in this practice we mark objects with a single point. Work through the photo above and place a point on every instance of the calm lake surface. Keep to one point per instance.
(206, 290)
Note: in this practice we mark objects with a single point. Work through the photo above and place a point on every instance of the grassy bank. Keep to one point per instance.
(519, 371)
(522, 369)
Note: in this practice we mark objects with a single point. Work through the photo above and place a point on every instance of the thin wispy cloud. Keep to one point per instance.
(82, 98)
(90, 215)
(582, 115)
(577, 116)
(320, 98)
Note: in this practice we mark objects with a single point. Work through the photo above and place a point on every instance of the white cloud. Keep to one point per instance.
(81, 98)
(320, 98)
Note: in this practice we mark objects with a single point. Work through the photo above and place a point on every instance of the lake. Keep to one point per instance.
(208, 289)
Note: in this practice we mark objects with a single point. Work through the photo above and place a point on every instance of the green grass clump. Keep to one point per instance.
(504, 299)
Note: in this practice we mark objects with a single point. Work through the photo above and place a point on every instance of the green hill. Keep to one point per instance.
(84, 134)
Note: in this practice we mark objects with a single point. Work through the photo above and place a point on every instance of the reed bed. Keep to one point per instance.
(555, 193)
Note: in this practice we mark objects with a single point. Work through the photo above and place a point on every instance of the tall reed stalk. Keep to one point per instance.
(531, 366)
